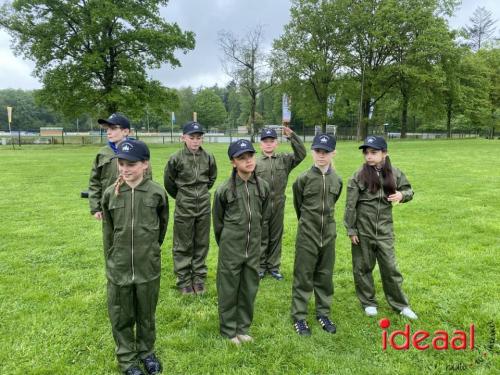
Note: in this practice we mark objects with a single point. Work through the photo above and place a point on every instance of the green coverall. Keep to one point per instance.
(188, 177)
(275, 170)
(314, 198)
(369, 216)
(238, 220)
(134, 227)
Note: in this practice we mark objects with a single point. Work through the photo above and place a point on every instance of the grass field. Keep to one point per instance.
(53, 317)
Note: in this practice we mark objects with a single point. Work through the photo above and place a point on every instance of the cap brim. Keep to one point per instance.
(102, 121)
(369, 146)
(268, 136)
(194, 132)
(321, 147)
(240, 152)
(127, 157)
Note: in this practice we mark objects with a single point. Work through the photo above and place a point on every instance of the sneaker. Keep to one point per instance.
(244, 338)
(152, 364)
(277, 275)
(235, 340)
(133, 371)
(302, 328)
(261, 274)
(407, 312)
(187, 290)
(326, 324)
(371, 310)
(199, 288)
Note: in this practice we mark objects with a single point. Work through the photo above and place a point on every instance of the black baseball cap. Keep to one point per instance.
(375, 142)
(133, 150)
(268, 133)
(192, 127)
(239, 147)
(116, 119)
(324, 142)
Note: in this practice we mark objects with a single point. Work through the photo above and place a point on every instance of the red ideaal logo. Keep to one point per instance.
(440, 339)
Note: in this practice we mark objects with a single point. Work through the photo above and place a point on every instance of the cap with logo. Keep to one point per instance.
(133, 150)
(116, 119)
(268, 133)
(375, 142)
(192, 127)
(324, 142)
(239, 147)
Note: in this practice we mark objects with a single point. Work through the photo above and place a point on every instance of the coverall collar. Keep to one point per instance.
(141, 187)
(317, 170)
(187, 151)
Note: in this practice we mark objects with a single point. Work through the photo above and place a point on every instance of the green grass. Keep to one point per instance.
(53, 317)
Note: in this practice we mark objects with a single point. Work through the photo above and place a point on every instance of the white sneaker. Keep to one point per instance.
(371, 311)
(407, 312)
(235, 340)
(244, 338)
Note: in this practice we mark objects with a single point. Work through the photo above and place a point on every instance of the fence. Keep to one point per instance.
(349, 133)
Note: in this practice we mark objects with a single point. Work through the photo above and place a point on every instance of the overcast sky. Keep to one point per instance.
(202, 66)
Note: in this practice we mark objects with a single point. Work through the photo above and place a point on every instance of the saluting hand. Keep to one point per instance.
(396, 197)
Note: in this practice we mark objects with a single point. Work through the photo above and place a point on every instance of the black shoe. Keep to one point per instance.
(327, 324)
(133, 371)
(199, 288)
(152, 364)
(261, 274)
(186, 291)
(302, 328)
(277, 275)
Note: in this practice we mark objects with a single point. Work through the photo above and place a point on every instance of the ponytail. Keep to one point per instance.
(119, 182)
(233, 182)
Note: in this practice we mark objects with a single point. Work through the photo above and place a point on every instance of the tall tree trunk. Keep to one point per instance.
(252, 116)
(448, 118)
(404, 116)
(405, 92)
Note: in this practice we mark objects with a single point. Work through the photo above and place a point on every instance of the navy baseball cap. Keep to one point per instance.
(116, 119)
(239, 147)
(375, 142)
(268, 133)
(324, 142)
(132, 150)
(192, 127)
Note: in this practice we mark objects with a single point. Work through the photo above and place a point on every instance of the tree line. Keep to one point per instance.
(392, 64)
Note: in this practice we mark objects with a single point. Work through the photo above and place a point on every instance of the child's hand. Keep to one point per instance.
(98, 215)
(354, 240)
(396, 197)
(288, 132)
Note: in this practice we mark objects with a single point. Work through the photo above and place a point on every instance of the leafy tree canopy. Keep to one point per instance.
(92, 55)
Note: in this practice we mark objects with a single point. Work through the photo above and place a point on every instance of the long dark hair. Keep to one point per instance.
(370, 178)
(233, 181)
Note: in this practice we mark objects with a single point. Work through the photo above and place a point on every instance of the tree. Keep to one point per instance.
(482, 28)
(310, 52)
(27, 114)
(245, 62)
(93, 54)
(210, 108)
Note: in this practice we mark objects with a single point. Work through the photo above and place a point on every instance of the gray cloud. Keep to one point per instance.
(202, 66)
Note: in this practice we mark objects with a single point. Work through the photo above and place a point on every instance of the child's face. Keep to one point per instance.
(373, 157)
(322, 158)
(244, 163)
(268, 145)
(116, 134)
(132, 171)
(193, 141)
